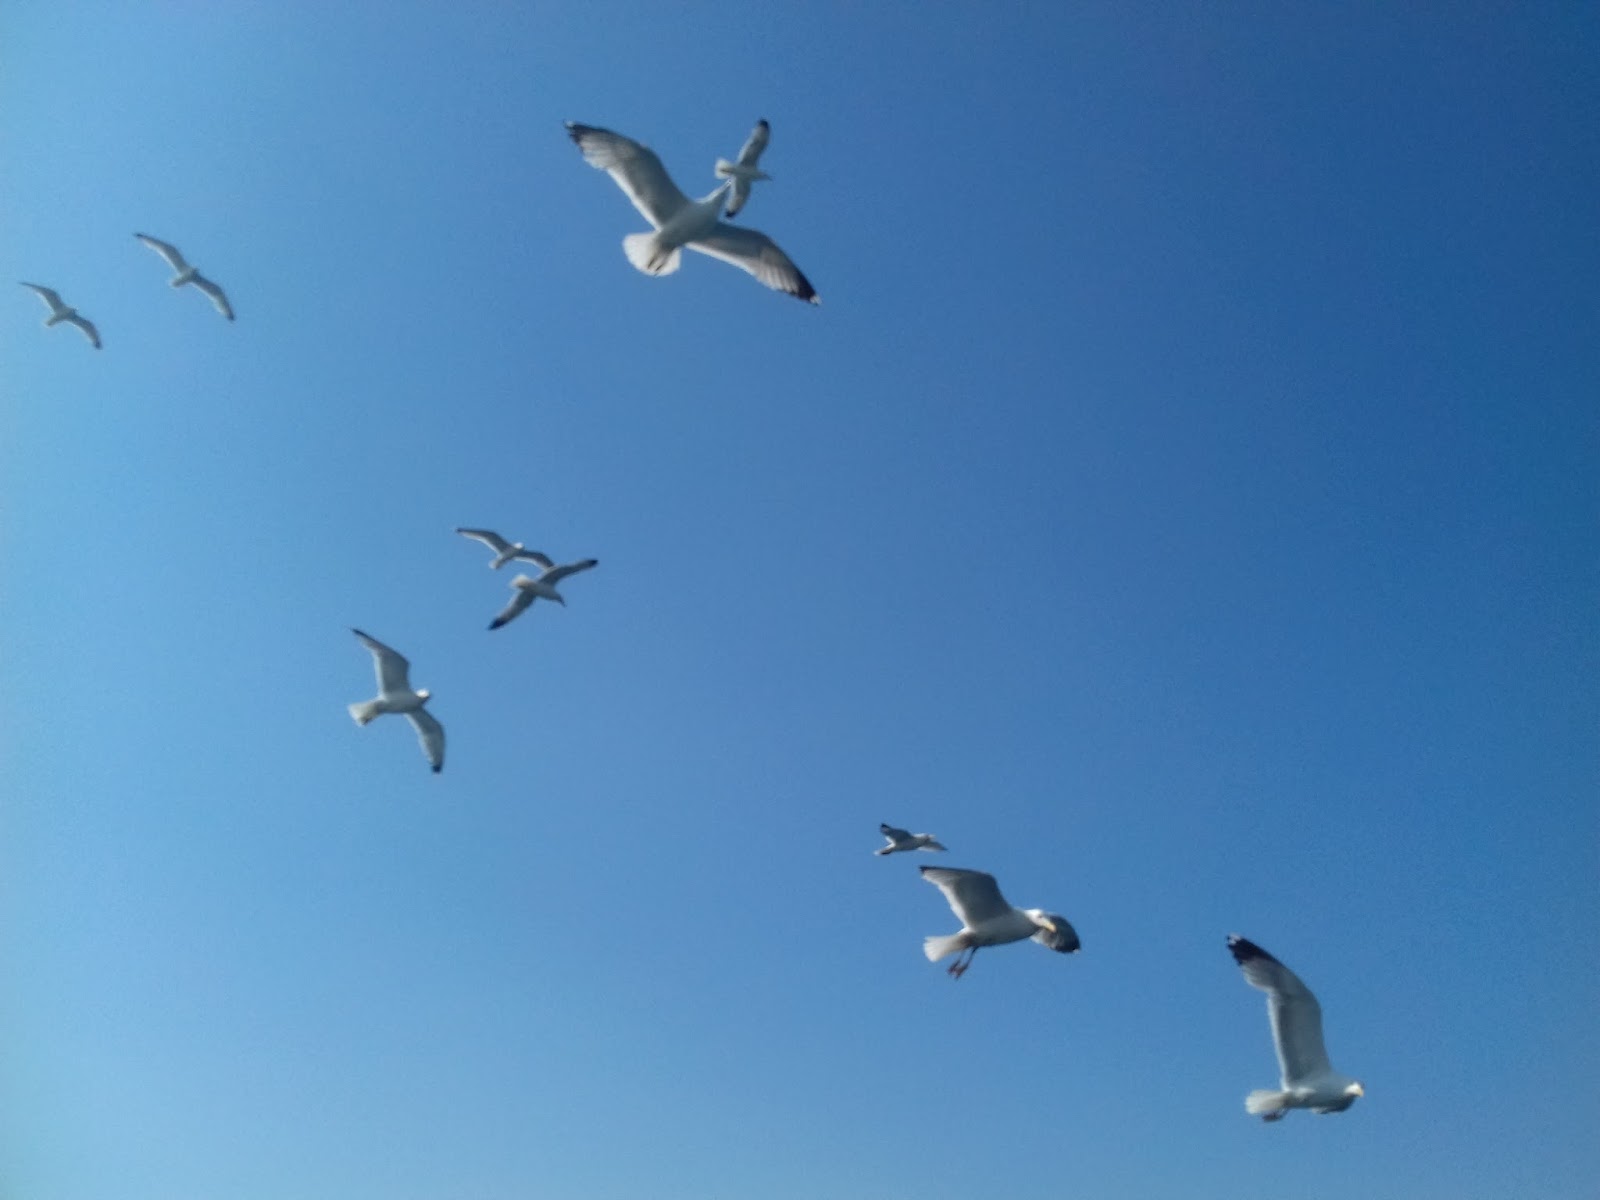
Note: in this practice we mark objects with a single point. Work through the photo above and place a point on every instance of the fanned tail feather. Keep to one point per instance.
(364, 712)
(941, 947)
(645, 253)
(1268, 1105)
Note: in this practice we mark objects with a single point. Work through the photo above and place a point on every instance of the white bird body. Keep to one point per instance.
(504, 551)
(528, 588)
(395, 695)
(743, 170)
(61, 311)
(677, 221)
(187, 274)
(900, 839)
(987, 919)
(1308, 1079)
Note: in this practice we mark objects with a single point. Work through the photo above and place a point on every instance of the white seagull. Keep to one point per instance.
(395, 696)
(187, 274)
(504, 551)
(900, 839)
(62, 312)
(743, 170)
(988, 920)
(679, 221)
(1309, 1081)
(529, 589)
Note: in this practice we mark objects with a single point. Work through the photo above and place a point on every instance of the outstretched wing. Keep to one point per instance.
(391, 666)
(636, 169)
(756, 144)
(488, 537)
(430, 734)
(520, 599)
(893, 834)
(973, 895)
(533, 556)
(755, 252)
(167, 251)
(1063, 939)
(555, 575)
(216, 294)
(50, 296)
(1296, 1015)
(89, 331)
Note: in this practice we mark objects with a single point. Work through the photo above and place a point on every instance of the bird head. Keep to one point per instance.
(1354, 1090)
(424, 695)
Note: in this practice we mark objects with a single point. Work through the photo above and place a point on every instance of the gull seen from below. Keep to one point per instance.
(679, 221)
(529, 589)
(743, 170)
(395, 696)
(988, 920)
(1308, 1079)
(63, 313)
(900, 839)
(187, 274)
(504, 551)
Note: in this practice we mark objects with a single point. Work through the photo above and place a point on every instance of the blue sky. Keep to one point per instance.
(1182, 503)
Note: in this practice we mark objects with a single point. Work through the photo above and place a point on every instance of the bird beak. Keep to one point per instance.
(1049, 924)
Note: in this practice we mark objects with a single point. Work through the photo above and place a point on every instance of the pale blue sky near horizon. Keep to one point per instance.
(1182, 502)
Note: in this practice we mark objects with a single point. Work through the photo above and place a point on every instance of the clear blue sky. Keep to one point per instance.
(1183, 503)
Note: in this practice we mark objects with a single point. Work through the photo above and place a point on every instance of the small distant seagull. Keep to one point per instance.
(61, 312)
(187, 274)
(504, 551)
(900, 839)
(395, 696)
(988, 920)
(1308, 1079)
(680, 221)
(743, 171)
(529, 589)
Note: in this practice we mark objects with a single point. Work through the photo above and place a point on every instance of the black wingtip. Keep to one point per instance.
(439, 768)
(1244, 950)
(493, 625)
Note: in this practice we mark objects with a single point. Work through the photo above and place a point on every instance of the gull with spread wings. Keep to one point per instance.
(396, 696)
(987, 919)
(678, 221)
(504, 551)
(902, 839)
(62, 312)
(187, 274)
(529, 589)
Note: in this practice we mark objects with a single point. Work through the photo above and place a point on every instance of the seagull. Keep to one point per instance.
(987, 920)
(395, 696)
(899, 839)
(63, 312)
(1309, 1081)
(679, 221)
(504, 551)
(187, 274)
(743, 171)
(529, 589)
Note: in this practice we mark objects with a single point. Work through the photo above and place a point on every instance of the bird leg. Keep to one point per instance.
(959, 968)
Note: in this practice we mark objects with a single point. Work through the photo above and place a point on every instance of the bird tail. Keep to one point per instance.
(942, 947)
(366, 711)
(726, 169)
(645, 253)
(1268, 1105)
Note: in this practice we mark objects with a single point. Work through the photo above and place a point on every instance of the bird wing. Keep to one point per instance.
(89, 331)
(755, 252)
(391, 666)
(430, 734)
(534, 556)
(636, 169)
(218, 298)
(520, 600)
(488, 537)
(893, 834)
(167, 251)
(49, 295)
(737, 197)
(1296, 1015)
(1065, 938)
(756, 143)
(974, 896)
(556, 574)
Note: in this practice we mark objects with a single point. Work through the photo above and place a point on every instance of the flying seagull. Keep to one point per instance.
(529, 589)
(679, 221)
(63, 312)
(1309, 1081)
(743, 171)
(187, 274)
(504, 551)
(900, 839)
(395, 696)
(987, 920)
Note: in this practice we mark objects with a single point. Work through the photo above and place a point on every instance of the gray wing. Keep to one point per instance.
(430, 734)
(756, 144)
(1296, 1016)
(520, 600)
(488, 537)
(393, 670)
(167, 251)
(636, 169)
(89, 331)
(1064, 940)
(755, 252)
(557, 574)
(893, 834)
(50, 296)
(737, 196)
(973, 895)
(533, 556)
(216, 294)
